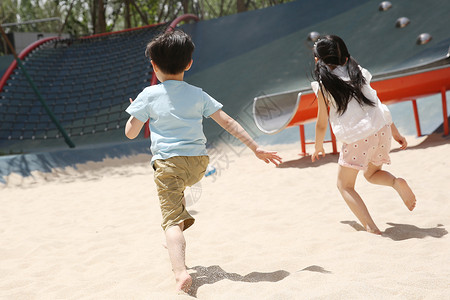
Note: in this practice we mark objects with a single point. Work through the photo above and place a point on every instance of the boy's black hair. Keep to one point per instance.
(330, 50)
(171, 51)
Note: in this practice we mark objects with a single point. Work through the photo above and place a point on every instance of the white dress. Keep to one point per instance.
(358, 121)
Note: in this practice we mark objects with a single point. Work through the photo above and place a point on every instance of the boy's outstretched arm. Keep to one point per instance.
(234, 128)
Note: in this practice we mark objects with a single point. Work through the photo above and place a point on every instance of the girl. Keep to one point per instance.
(359, 120)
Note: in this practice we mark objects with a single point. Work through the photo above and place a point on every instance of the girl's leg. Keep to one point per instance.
(346, 185)
(176, 245)
(374, 174)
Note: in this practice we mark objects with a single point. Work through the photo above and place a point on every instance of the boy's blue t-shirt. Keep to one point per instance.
(176, 110)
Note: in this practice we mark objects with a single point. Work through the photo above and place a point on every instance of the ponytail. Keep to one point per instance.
(331, 51)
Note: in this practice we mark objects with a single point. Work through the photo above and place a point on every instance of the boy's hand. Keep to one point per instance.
(401, 140)
(316, 154)
(131, 100)
(268, 156)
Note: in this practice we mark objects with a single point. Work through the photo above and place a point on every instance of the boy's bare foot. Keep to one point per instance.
(184, 282)
(403, 189)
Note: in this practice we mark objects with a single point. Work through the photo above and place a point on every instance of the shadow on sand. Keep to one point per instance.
(213, 274)
(305, 162)
(354, 224)
(400, 232)
(432, 140)
(435, 139)
(315, 268)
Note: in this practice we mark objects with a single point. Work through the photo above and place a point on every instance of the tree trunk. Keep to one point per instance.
(143, 16)
(94, 16)
(185, 4)
(67, 17)
(101, 17)
(241, 6)
(127, 14)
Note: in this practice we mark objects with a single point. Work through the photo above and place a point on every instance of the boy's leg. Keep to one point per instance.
(374, 174)
(181, 225)
(346, 185)
(170, 181)
(176, 245)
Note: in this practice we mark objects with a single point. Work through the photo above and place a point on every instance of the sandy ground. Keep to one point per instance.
(261, 232)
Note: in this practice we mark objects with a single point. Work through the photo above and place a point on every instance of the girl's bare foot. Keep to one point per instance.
(405, 192)
(373, 230)
(184, 282)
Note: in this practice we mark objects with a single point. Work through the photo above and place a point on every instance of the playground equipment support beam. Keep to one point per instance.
(444, 109)
(416, 117)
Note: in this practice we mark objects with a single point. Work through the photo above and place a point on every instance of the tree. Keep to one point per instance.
(98, 16)
(85, 17)
(242, 5)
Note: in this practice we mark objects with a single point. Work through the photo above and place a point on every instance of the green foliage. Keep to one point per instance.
(8, 11)
(80, 17)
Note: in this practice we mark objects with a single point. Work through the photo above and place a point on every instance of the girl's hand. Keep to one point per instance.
(316, 154)
(401, 140)
(268, 156)
(398, 137)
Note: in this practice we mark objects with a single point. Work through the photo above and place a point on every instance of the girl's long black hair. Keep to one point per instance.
(330, 50)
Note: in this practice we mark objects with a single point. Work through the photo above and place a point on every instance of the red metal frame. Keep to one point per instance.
(120, 31)
(416, 117)
(154, 80)
(303, 142)
(389, 91)
(444, 109)
(185, 17)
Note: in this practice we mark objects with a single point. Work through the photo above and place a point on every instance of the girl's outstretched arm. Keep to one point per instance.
(234, 128)
(321, 127)
(398, 137)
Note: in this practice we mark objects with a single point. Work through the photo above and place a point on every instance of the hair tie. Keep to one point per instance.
(318, 41)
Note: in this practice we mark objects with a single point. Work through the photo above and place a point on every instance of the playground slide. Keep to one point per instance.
(273, 113)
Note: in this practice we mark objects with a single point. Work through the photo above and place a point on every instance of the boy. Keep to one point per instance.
(176, 110)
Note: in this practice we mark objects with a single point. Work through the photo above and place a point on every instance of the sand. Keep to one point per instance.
(261, 232)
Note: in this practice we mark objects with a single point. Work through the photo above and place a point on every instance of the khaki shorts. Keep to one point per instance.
(172, 176)
(373, 149)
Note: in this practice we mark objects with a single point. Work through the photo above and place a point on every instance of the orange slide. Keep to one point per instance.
(273, 113)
